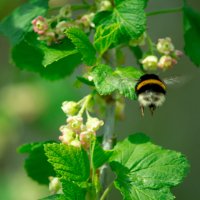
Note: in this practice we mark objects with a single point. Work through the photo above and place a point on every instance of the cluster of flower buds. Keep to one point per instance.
(76, 132)
(52, 30)
(169, 56)
(55, 186)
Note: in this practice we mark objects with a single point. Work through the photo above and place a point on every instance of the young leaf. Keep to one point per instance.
(126, 21)
(18, 23)
(123, 80)
(192, 34)
(70, 163)
(83, 45)
(146, 171)
(100, 156)
(52, 62)
(105, 36)
(36, 164)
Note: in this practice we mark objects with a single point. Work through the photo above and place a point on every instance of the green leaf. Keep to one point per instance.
(16, 25)
(83, 45)
(126, 21)
(100, 156)
(192, 34)
(146, 171)
(105, 36)
(36, 164)
(73, 191)
(70, 163)
(54, 62)
(123, 80)
(55, 197)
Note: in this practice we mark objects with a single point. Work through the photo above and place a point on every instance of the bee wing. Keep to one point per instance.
(177, 81)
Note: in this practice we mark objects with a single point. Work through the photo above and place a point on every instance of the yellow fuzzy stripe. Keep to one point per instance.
(151, 81)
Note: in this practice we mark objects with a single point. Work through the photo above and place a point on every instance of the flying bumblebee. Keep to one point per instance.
(151, 91)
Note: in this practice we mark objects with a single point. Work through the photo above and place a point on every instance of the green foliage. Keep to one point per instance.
(146, 171)
(71, 164)
(126, 21)
(83, 45)
(192, 34)
(68, 162)
(52, 62)
(36, 164)
(123, 80)
(72, 190)
(16, 25)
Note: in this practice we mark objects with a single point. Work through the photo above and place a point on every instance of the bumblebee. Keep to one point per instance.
(151, 92)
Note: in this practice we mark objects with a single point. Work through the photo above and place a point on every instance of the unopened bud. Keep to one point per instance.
(55, 186)
(87, 20)
(69, 107)
(105, 5)
(150, 62)
(165, 45)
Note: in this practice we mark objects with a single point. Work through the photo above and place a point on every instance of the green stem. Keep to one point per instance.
(151, 45)
(85, 104)
(165, 11)
(106, 191)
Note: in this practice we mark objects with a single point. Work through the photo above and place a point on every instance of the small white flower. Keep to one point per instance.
(67, 135)
(75, 122)
(165, 45)
(94, 123)
(150, 62)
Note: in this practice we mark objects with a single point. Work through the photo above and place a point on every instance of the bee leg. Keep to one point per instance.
(142, 110)
(152, 108)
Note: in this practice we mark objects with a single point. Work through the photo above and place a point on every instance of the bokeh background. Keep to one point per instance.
(30, 110)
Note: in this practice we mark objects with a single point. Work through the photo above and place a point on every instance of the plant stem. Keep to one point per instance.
(151, 45)
(108, 140)
(165, 11)
(106, 191)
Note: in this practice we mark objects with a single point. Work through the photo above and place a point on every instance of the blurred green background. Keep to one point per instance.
(30, 110)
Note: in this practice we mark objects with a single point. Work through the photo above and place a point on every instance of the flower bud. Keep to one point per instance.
(40, 25)
(61, 28)
(75, 122)
(105, 5)
(150, 62)
(166, 62)
(178, 53)
(87, 20)
(69, 107)
(94, 123)
(140, 41)
(65, 11)
(165, 45)
(55, 186)
(76, 143)
(49, 36)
